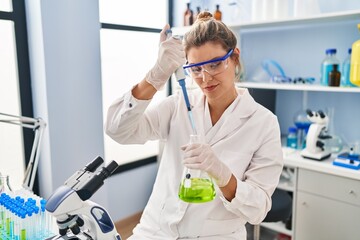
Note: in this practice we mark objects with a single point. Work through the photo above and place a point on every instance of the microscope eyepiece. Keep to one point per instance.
(92, 166)
(96, 181)
(321, 114)
(309, 113)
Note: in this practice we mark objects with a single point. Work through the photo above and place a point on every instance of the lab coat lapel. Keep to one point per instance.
(233, 119)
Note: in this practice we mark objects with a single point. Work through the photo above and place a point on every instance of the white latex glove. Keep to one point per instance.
(171, 56)
(201, 156)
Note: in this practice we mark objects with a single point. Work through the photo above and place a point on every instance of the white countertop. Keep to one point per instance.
(292, 158)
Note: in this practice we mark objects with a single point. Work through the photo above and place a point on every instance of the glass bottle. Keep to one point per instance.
(334, 76)
(345, 76)
(327, 65)
(302, 124)
(218, 13)
(196, 186)
(291, 139)
(198, 10)
(355, 62)
(188, 16)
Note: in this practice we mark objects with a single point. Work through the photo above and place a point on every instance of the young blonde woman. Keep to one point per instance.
(242, 149)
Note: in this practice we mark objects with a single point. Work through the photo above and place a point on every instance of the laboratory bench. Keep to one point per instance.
(326, 199)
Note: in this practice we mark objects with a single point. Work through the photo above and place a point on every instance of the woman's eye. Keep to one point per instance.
(196, 69)
(214, 65)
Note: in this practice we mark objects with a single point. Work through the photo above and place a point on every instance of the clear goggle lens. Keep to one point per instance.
(212, 68)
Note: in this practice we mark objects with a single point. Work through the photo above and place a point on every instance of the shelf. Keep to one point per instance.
(277, 226)
(321, 18)
(293, 87)
(286, 185)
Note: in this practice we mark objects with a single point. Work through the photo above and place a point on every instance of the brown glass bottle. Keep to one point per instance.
(197, 13)
(218, 13)
(334, 76)
(188, 16)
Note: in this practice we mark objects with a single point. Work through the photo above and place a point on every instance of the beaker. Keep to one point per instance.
(196, 186)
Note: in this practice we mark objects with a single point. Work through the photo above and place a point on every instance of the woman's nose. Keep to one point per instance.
(206, 76)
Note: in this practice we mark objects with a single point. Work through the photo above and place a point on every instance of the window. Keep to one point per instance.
(129, 37)
(15, 97)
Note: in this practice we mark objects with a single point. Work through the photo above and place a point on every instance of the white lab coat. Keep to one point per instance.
(246, 138)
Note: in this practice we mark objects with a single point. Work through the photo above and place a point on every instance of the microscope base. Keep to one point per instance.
(315, 156)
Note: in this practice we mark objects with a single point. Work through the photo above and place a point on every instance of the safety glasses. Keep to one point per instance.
(212, 67)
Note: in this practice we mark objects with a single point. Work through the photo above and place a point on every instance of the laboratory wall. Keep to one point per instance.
(64, 43)
(300, 51)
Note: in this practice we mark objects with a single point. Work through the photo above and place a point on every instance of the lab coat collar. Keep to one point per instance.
(245, 107)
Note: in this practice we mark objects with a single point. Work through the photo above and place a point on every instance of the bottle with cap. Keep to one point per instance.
(355, 62)
(218, 13)
(327, 65)
(334, 76)
(188, 16)
(345, 74)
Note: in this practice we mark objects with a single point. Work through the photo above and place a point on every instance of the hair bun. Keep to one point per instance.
(204, 16)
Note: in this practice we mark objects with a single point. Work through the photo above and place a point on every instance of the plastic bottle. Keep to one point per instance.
(327, 65)
(188, 16)
(334, 76)
(291, 139)
(218, 13)
(345, 76)
(355, 62)
(196, 186)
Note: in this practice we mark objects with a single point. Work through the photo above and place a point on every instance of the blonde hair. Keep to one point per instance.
(207, 29)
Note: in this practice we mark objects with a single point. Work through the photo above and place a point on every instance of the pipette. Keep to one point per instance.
(180, 77)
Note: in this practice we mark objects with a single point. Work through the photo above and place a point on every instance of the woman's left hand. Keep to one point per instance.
(201, 156)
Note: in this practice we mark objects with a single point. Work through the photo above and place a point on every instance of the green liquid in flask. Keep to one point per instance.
(200, 190)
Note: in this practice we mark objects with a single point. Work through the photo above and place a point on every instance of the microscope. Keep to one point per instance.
(315, 147)
(76, 216)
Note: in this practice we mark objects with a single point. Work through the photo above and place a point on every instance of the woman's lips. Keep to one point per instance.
(210, 88)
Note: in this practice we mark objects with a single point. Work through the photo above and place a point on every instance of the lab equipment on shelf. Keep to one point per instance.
(334, 76)
(77, 217)
(291, 139)
(345, 76)
(196, 186)
(355, 62)
(348, 159)
(218, 13)
(327, 65)
(38, 125)
(302, 124)
(23, 216)
(188, 16)
(315, 147)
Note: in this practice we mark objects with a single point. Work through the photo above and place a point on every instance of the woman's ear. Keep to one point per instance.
(237, 55)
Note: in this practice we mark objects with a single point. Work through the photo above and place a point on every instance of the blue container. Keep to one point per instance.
(291, 140)
(327, 65)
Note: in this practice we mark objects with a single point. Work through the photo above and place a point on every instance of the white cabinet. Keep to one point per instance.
(287, 183)
(327, 207)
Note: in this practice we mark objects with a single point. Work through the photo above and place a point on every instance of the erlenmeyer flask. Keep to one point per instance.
(196, 186)
(4, 184)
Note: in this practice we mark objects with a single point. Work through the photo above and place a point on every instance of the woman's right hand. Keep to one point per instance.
(170, 57)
